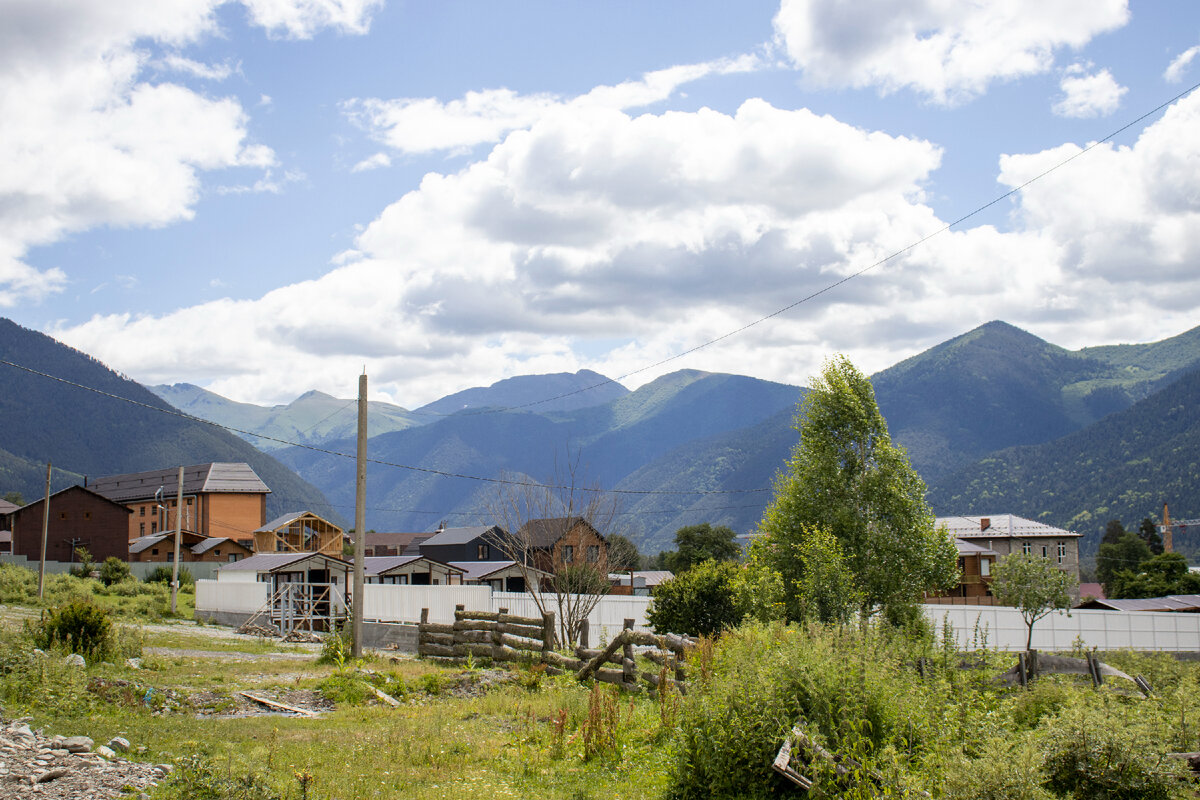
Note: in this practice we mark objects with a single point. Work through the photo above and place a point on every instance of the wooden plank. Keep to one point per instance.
(266, 701)
(384, 696)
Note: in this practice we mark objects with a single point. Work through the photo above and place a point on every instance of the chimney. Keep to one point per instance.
(985, 523)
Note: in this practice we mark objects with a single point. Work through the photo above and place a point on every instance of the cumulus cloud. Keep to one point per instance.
(427, 124)
(376, 161)
(1084, 95)
(1179, 65)
(946, 51)
(87, 138)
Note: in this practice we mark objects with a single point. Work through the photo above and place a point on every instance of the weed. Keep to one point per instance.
(432, 682)
(80, 627)
(600, 728)
(558, 739)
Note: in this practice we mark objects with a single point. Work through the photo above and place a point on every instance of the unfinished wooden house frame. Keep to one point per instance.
(306, 591)
(299, 532)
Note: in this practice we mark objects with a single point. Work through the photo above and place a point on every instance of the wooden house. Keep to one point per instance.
(309, 591)
(79, 517)
(561, 542)
(219, 499)
(474, 543)
(974, 586)
(193, 547)
(300, 532)
(410, 571)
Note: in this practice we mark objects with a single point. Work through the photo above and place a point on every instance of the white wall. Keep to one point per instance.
(388, 603)
(1005, 629)
(230, 595)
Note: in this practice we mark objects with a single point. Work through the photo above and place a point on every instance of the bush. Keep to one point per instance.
(699, 602)
(114, 570)
(1006, 770)
(162, 574)
(79, 627)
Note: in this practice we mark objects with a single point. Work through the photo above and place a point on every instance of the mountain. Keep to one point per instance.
(610, 441)
(313, 418)
(540, 394)
(82, 432)
(1125, 466)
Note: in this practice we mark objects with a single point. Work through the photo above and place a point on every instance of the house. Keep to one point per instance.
(474, 543)
(975, 564)
(308, 591)
(502, 576)
(6, 510)
(410, 571)
(300, 532)
(220, 499)
(79, 517)
(192, 547)
(638, 582)
(393, 544)
(560, 542)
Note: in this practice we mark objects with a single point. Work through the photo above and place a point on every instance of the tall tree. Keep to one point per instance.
(846, 477)
(1126, 553)
(695, 544)
(1113, 531)
(623, 555)
(1148, 530)
(1033, 585)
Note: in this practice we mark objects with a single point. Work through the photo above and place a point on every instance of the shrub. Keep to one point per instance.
(86, 564)
(80, 627)
(1006, 770)
(162, 574)
(195, 778)
(699, 602)
(336, 647)
(114, 570)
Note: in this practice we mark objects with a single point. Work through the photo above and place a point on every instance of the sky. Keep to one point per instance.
(269, 196)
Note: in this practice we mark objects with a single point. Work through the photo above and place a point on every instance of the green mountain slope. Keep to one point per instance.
(313, 418)
(540, 394)
(84, 433)
(1124, 466)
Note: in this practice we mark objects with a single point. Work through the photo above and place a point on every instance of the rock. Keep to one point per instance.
(119, 743)
(133, 663)
(78, 744)
(107, 752)
(50, 775)
(75, 660)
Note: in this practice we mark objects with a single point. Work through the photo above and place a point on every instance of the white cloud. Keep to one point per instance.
(302, 19)
(947, 51)
(1085, 95)
(1179, 65)
(88, 139)
(426, 124)
(376, 161)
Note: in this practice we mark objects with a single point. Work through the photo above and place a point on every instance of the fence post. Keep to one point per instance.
(584, 631)
(627, 664)
(424, 616)
(547, 633)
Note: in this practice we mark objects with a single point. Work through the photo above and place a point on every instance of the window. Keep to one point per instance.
(87, 515)
(483, 552)
(985, 567)
(233, 557)
(141, 529)
(189, 501)
(1062, 552)
(170, 556)
(142, 511)
(154, 552)
(153, 528)
(568, 554)
(593, 553)
(1026, 547)
(62, 515)
(217, 552)
(1045, 551)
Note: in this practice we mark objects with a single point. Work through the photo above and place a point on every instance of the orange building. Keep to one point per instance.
(220, 499)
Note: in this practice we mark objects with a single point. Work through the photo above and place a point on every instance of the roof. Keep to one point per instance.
(217, 476)
(1000, 526)
(966, 548)
(648, 577)
(142, 542)
(283, 520)
(7, 507)
(545, 532)
(381, 565)
(76, 488)
(1172, 602)
(405, 543)
(481, 570)
(212, 541)
(1091, 590)
(458, 535)
(273, 562)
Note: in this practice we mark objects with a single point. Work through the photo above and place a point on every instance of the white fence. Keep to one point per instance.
(1004, 628)
(995, 626)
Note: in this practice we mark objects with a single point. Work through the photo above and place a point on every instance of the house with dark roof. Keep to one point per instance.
(300, 532)
(393, 544)
(502, 576)
(472, 543)
(560, 542)
(79, 517)
(221, 499)
(192, 548)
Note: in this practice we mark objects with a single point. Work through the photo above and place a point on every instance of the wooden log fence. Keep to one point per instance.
(501, 636)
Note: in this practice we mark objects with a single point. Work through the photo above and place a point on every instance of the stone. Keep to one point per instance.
(133, 663)
(106, 752)
(75, 660)
(77, 744)
(119, 743)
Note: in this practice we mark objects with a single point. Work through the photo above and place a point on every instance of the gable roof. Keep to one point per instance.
(217, 476)
(76, 488)
(1000, 526)
(480, 570)
(213, 541)
(7, 507)
(543, 533)
(283, 520)
(274, 562)
(405, 543)
(381, 565)
(459, 535)
(1172, 602)
(142, 542)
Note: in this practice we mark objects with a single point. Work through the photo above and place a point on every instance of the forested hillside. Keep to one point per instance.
(85, 433)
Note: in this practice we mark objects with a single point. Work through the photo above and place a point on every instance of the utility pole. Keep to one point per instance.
(360, 518)
(45, 534)
(178, 537)
(1168, 534)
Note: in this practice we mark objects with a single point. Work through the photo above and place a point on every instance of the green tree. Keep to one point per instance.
(698, 543)
(15, 498)
(1148, 530)
(826, 590)
(1157, 576)
(623, 554)
(846, 477)
(114, 570)
(1113, 531)
(1033, 585)
(1126, 553)
(699, 602)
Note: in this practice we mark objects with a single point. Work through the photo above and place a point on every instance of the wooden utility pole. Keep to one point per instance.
(45, 534)
(1167, 537)
(360, 519)
(178, 537)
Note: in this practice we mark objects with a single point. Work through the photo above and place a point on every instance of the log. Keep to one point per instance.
(529, 622)
(628, 665)
(266, 701)
(559, 660)
(653, 679)
(438, 638)
(435, 627)
(527, 631)
(490, 616)
(472, 625)
(617, 643)
(617, 677)
(439, 650)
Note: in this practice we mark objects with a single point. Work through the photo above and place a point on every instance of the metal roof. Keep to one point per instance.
(217, 476)
(971, 549)
(651, 577)
(459, 535)
(543, 533)
(142, 542)
(273, 562)
(1172, 602)
(406, 543)
(7, 507)
(382, 565)
(209, 543)
(1000, 526)
(480, 570)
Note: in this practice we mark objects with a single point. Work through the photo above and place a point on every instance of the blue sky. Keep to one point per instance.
(263, 197)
